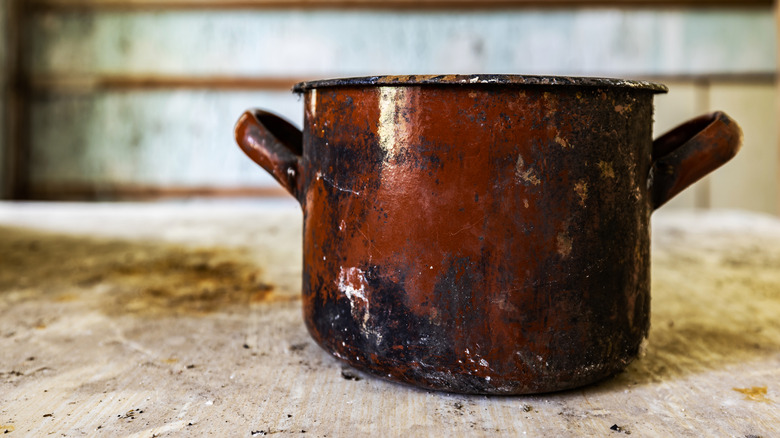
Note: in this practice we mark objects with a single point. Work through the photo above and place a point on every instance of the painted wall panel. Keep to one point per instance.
(750, 180)
(683, 102)
(336, 43)
(176, 138)
(183, 137)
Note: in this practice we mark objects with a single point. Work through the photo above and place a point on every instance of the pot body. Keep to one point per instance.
(474, 239)
(478, 240)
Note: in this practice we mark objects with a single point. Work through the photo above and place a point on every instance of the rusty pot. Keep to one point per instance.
(481, 234)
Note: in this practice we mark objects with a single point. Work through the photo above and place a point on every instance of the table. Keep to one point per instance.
(183, 318)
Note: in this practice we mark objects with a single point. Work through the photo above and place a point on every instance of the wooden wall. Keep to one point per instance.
(750, 180)
(125, 99)
(4, 140)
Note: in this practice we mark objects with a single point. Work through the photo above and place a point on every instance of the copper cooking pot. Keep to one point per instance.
(481, 234)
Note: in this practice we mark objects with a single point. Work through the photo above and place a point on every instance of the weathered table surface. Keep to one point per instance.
(184, 319)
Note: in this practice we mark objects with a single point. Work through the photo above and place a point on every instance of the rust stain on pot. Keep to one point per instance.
(562, 142)
(606, 170)
(483, 253)
(563, 244)
(563, 240)
(622, 109)
(581, 187)
(525, 174)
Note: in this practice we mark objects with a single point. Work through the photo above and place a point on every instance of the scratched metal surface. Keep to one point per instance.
(184, 319)
(452, 212)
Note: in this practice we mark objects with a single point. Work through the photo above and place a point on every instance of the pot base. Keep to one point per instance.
(424, 376)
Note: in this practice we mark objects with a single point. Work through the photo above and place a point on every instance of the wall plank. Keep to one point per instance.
(381, 4)
(749, 181)
(155, 138)
(184, 138)
(148, 98)
(683, 102)
(281, 43)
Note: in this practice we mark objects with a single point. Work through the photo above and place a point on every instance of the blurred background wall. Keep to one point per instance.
(125, 99)
(4, 86)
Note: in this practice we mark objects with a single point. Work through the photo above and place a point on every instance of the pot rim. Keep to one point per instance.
(480, 80)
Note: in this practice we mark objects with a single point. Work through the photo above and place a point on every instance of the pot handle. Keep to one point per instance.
(690, 151)
(275, 144)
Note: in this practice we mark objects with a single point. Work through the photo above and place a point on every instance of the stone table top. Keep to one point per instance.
(182, 319)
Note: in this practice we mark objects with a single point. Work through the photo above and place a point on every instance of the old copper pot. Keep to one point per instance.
(481, 234)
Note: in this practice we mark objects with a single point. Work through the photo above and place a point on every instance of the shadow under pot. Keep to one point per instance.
(481, 234)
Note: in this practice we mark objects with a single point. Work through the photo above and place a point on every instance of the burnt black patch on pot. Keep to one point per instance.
(388, 328)
(454, 292)
(392, 338)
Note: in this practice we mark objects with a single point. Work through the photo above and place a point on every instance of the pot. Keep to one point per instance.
(481, 234)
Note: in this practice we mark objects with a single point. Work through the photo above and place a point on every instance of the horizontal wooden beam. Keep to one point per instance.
(88, 84)
(742, 77)
(130, 192)
(53, 84)
(383, 4)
